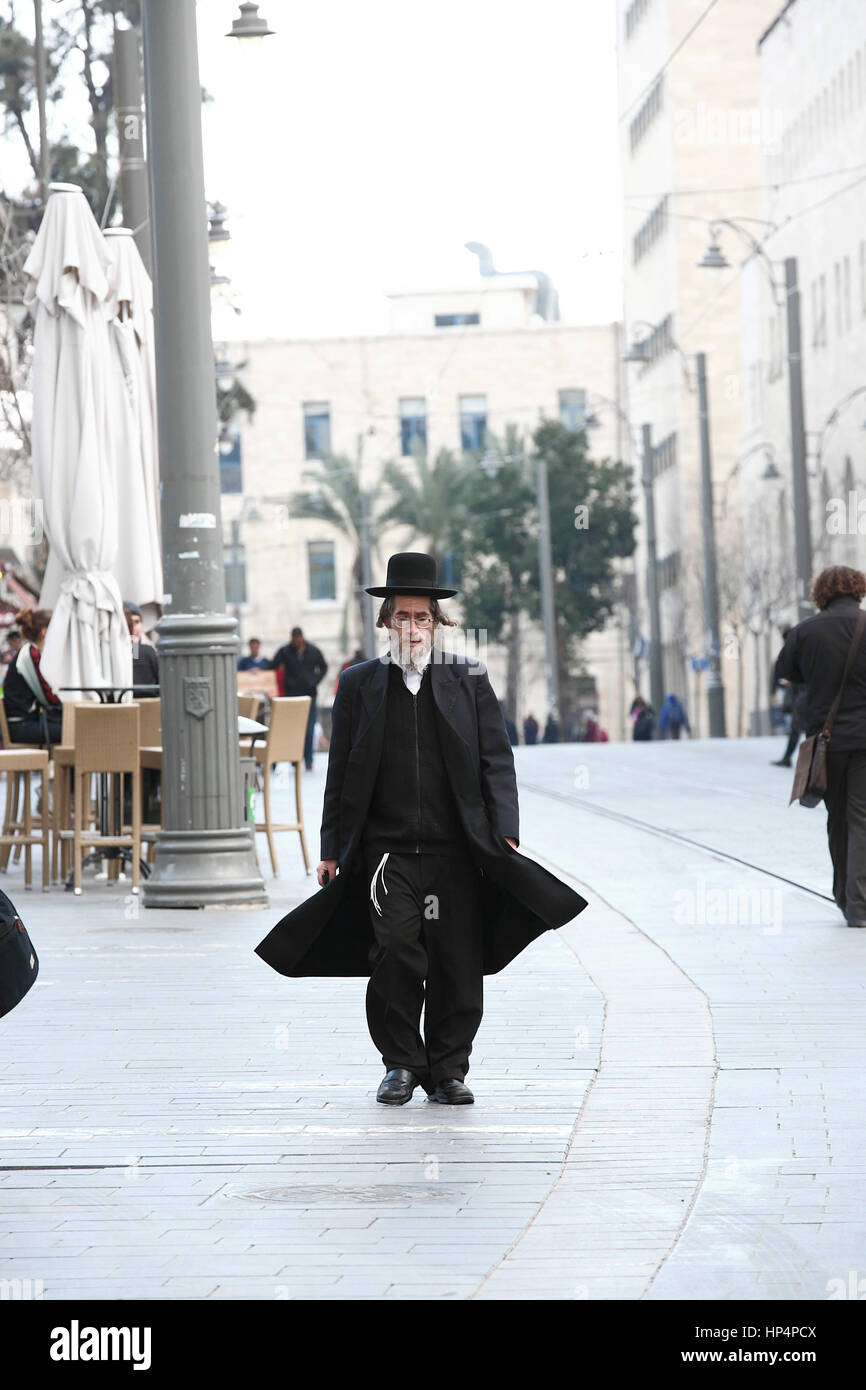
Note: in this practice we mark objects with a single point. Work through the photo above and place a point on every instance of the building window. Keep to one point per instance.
(660, 341)
(473, 422)
(647, 114)
(650, 231)
(455, 320)
(572, 409)
(317, 429)
(664, 455)
(846, 293)
(231, 479)
(413, 423)
(668, 571)
(320, 565)
(634, 14)
(819, 312)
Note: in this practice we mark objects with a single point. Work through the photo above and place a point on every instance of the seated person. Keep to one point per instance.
(145, 661)
(33, 711)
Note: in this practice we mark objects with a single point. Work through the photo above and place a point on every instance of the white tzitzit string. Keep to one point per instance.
(373, 898)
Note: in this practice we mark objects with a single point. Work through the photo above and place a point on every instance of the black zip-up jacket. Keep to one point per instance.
(814, 655)
(412, 809)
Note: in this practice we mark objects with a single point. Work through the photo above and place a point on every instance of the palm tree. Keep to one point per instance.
(428, 501)
(336, 497)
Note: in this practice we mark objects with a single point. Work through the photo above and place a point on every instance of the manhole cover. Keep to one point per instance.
(375, 1195)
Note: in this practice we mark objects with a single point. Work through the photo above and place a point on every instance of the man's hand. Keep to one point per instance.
(512, 843)
(326, 871)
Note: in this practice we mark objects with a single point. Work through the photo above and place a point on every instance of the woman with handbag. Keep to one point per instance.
(33, 711)
(826, 654)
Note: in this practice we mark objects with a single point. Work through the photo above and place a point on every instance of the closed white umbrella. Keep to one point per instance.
(75, 437)
(138, 567)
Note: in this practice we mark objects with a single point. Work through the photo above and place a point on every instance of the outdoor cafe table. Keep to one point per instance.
(150, 757)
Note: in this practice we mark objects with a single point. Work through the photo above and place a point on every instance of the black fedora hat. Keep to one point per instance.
(411, 572)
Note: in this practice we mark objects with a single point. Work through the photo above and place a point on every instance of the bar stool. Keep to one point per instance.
(14, 781)
(20, 763)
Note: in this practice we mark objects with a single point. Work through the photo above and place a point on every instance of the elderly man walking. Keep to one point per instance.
(423, 888)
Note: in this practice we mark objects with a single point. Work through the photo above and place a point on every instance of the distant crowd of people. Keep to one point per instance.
(672, 719)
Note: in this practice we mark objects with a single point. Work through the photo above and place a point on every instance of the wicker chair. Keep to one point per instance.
(106, 741)
(284, 744)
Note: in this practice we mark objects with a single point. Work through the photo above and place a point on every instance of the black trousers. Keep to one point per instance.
(33, 731)
(426, 911)
(845, 800)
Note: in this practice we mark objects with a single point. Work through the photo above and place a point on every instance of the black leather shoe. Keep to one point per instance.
(452, 1092)
(783, 762)
(397, 1086)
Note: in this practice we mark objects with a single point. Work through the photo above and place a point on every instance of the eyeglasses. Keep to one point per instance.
(403, 620)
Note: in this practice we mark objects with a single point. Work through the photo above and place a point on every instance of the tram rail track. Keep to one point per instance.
(647, 826)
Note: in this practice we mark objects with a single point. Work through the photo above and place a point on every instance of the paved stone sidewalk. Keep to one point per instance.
(665, 1108)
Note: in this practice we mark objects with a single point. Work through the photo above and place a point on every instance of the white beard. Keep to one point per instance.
(412, 657)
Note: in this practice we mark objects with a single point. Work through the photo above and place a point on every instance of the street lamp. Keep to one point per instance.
(788, 293)
(638, 352)
(126, 76)
(205, 854)
(249, 24)
(490, 463)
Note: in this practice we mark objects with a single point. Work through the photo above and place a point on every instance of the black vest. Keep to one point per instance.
(412, 808)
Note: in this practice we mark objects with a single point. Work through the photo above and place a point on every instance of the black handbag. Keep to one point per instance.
(810, 774)
(19, 964)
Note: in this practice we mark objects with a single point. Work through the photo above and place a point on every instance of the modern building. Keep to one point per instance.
(812, 93)
(458, 365)
(691, 153)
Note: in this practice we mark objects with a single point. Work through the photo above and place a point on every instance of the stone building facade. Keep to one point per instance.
(456, 363)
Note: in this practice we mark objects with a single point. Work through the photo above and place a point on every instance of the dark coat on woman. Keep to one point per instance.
(330, 933)
(814, 657)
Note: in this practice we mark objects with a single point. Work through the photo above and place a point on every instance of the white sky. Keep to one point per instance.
(359, 147)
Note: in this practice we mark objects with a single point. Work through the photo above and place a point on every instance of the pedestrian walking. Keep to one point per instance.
(643, 718)
(673, 718)
(423, 889)
(814, 656)
(793, 706)
(301, 667)
(34, 712)
(551, 730)
(254, 661)
(592, 731)
(530, 729)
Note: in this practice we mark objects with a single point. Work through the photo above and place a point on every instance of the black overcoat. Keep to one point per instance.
(814, 657)
(330, 933)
